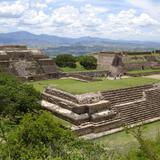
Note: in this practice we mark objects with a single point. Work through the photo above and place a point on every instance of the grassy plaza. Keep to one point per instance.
(78, 87)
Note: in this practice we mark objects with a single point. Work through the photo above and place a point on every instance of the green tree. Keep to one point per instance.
(66, 60)
(16, 98)
(88, 62)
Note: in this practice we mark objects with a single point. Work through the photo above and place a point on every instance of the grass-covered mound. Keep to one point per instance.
(78, 87)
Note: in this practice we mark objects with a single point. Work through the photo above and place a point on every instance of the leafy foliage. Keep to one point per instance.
(88, 62)
(16, 98)
(37, 135)
(148, 149)
(66, 60)
(40, 136)
(28, 133)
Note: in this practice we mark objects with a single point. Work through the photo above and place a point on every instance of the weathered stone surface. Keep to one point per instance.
(26, 63)
(89, 98)
(113, 110)
(81, 110)
(124, 61)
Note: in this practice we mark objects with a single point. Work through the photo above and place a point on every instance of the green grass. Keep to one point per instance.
(144, 71)
(123, 142)
(78, 87)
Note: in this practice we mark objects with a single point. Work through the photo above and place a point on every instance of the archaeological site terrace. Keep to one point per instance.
(121, 62)
(93, 115)
(26, 63)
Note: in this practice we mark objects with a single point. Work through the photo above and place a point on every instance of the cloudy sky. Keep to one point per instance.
(115, 19)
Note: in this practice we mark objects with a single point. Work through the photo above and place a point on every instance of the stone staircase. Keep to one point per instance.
(148, 107)
(125, 95)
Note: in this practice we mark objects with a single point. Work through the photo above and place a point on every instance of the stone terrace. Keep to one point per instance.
(103, 111)
(27, 63)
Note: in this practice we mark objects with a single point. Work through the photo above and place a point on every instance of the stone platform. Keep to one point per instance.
(26, 63)
(88, 112)
(103, 112)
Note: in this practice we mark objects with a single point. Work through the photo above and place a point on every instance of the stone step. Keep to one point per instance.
(140, 116)
(58, 100)
(97, 127)
(65, 114)
(101, 116)
(61, 94)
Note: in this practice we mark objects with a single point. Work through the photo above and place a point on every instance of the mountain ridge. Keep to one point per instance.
(56, 45)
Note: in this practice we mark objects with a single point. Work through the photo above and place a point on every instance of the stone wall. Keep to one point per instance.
(97, 73)
(105, 60)
(130, 60)
(27, 63)
(143, 74)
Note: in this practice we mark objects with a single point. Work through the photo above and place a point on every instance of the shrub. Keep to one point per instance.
(66, 60)
(16, 98)
(40, 136)
(88, 62)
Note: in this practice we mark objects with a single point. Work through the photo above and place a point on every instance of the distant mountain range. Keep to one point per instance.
(54, 45)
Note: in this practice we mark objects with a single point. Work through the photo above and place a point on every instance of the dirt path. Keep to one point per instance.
(155, 76)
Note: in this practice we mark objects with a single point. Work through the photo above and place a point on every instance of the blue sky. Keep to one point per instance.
(114, 19)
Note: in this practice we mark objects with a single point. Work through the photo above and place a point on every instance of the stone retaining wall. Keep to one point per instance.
(143, 74)
(27, 63)
(93, 73)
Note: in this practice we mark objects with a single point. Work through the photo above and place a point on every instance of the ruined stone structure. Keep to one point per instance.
(96, 113)
(27, 63)
(118, 62)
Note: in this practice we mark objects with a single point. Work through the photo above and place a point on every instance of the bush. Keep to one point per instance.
(16, 98)
(88, 62)
(66, 60)
(41, 137)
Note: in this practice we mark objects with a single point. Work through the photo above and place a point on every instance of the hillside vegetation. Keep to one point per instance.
(27, 132)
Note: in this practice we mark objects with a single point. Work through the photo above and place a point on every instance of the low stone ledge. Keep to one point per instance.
(66, 114)
(98, 106)
(105, 115)
(87, 98)
(60, 93)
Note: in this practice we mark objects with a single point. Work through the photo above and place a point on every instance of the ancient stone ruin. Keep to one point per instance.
(96, 114)
(121, 62)
(31, 64)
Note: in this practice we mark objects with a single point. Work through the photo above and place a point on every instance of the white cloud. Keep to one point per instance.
(93, 10)
(39, 5)
(148, 6)
(144, 20)
(49, 1)
(42, 16)
(33, 17)
(65, 15)
(13, 10)
(127, 24)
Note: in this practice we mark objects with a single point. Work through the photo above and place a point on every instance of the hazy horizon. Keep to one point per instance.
(116, 19)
